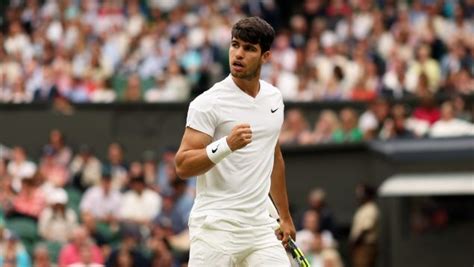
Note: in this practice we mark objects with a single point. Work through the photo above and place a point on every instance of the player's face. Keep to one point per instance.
(246, 59)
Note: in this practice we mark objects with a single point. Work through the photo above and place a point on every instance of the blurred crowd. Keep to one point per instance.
(70, 208)
(74, 209)
(381, 121)
(161, 51)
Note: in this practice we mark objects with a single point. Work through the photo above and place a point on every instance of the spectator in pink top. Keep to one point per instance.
(30, 201)
(80, 243)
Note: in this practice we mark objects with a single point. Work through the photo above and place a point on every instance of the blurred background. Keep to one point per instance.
(378, 135)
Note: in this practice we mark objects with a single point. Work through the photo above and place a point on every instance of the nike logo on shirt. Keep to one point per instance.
(215, 149)
(274, 110)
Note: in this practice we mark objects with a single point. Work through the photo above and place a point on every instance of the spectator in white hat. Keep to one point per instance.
(57, 221)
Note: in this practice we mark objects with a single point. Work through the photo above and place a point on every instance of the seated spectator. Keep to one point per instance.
(78, 91)
(174, 89)
(348, 132)
(133, 91)
(19, 167)
(47, 91)
(397, 126)
(294, 127)
(103, 92)
(57, 221)
(176, 208)
(428, 110)
(394, 82)
(460, 109)
(85, 259)
(54, 172)
(41, 256)
(85, 169)
(139, 204)
(449, 125)
(372, 120)
(166, 172)
(324, 129)
(108, 197)
(117, 165)
(159, 242)
(62, 152)
(13, 253)
(6, 190)
(17, 93)
(128, 253)
(335, 86)
(150, 168)
(30, 201)
(80, 246)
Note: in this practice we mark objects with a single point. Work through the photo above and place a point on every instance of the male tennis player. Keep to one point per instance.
(230, 143)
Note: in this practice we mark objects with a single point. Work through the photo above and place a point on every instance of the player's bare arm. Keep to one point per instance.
(280, 198)
(192, 158)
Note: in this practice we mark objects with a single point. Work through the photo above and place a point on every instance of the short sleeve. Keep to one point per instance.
(202, 116)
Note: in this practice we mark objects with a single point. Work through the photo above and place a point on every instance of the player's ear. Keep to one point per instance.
(266, 56)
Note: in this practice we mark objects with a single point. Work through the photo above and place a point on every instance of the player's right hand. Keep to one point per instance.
(240, 136)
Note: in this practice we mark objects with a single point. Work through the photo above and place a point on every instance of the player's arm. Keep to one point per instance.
(280, 197)
(196, 154)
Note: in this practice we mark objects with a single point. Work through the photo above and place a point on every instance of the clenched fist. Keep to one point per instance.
(240, 136)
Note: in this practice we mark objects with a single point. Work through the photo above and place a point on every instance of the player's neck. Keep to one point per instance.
(250, 87)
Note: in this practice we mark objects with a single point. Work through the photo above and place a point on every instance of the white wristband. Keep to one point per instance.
(218, 150)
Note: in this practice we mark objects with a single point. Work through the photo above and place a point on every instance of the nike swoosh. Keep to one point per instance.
(215, 149)
(274, 110)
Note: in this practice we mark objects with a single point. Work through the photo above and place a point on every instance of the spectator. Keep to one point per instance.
(317, 202)
(13, 254)
(47, 90)
(55, 173)
(372, 120)
(128, 253)
(108, 197)
(324, 129)
(150, 168)
(57, 221)
(85, 169)
(117, 165)
(41, 256)
(103, 92)
(19, 167)
(6, 190)
(364, 232)
(62, 152)
(449, 125)
(174, 89)
(294, 127)
(30, 201)
(133, 91)
(397, 126)
(16, 94)
(348, 132)
(140, 204)
(394, 80)
(80, 249)
(427, 111)
(424, 64)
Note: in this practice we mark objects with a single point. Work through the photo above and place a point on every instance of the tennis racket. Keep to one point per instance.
(296, 253)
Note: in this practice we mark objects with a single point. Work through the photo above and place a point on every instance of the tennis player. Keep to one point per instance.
(230, 143)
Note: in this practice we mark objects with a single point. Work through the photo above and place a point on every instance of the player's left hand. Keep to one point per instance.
(286, 230)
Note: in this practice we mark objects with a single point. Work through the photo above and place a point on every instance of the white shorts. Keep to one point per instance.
(225, 243)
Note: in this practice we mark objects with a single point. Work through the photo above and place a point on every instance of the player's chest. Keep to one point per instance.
(265, 117)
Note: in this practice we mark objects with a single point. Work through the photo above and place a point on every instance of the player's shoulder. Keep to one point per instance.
(270, 89)
(208, 99)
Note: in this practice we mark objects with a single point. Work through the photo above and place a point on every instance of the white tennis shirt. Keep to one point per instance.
(237, 187)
